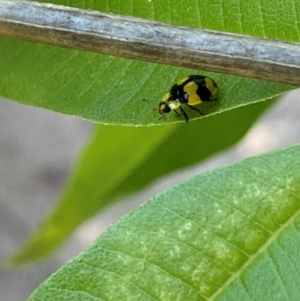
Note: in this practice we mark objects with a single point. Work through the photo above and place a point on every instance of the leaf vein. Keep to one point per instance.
(119, 276)
(157, 266)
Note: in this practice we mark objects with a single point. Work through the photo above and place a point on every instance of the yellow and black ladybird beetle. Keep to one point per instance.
(191, 90)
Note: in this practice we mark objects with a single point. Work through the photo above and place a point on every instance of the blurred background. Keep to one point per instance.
(37, 151)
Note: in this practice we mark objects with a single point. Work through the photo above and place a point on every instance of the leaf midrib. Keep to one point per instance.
(255, 256)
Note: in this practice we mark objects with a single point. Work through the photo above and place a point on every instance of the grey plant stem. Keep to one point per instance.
(150, 41)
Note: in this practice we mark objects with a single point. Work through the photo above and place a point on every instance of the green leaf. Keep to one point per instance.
(230, 234)
(110, 90)
(123, 160)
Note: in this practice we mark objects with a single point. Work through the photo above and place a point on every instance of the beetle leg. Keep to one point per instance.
(162, 117)
(195, 109)
(176, 113)
(186, 117)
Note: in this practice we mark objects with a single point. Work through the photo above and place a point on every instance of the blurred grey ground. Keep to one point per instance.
(37, 150)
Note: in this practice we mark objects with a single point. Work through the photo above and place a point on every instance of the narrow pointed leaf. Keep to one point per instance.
(123, 160)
